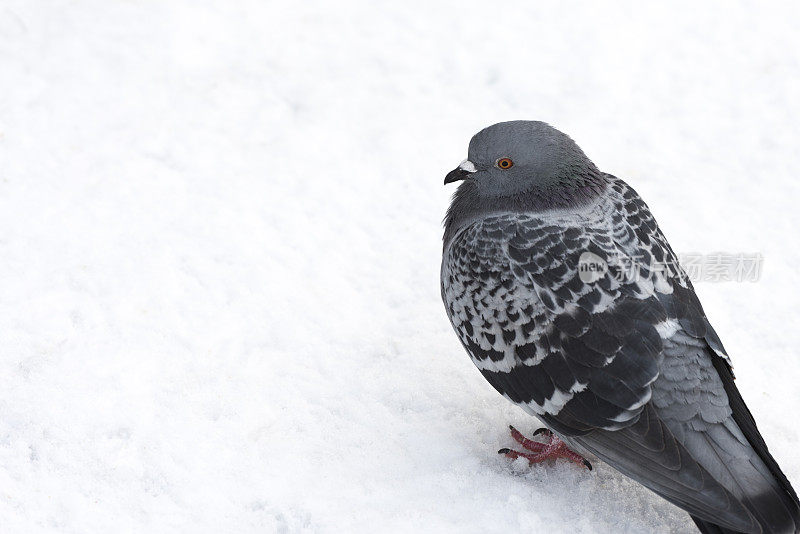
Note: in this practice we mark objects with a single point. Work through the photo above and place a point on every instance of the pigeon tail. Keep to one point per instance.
(710, 528)
(780, 514)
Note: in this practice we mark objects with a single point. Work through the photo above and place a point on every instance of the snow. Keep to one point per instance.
(220, 241)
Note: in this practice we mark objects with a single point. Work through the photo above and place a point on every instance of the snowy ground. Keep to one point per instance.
(220, 244)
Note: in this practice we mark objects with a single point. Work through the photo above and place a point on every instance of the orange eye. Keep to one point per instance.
(504, 163)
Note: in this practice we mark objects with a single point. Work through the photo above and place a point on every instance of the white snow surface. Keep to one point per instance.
(220, 237)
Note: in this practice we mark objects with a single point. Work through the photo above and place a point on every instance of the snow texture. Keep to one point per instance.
(220, 230)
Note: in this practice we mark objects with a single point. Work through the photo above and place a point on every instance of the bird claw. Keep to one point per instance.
(553, 449)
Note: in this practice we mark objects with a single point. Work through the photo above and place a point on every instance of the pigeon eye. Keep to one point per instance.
(504, 163)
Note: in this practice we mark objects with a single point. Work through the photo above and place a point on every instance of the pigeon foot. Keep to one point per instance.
(552, 449)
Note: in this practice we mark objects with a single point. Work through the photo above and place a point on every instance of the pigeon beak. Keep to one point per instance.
(461, 172)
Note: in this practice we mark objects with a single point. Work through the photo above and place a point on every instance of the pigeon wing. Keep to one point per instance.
(580, 354)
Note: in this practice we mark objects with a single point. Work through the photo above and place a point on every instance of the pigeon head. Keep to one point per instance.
(521, 166)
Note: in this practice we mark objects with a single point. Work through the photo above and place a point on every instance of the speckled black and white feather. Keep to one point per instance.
(582, 355)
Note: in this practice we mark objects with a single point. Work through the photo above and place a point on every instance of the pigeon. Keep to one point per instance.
(570, 301)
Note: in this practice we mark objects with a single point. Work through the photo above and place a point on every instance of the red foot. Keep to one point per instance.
(554, 448)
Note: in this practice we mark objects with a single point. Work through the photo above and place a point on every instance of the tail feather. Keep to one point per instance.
(710, 528)
(779, 511)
